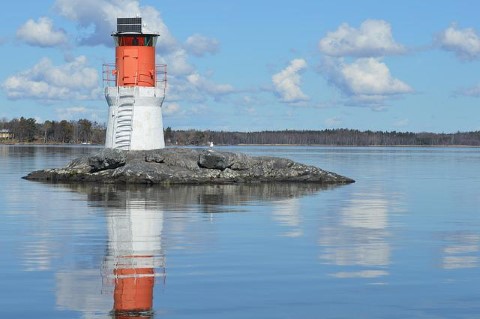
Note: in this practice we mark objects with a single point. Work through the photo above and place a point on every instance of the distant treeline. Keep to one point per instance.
(27, 130)
(340, 137)
(85, 131)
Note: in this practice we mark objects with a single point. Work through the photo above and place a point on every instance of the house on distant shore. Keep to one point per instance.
(5, 134)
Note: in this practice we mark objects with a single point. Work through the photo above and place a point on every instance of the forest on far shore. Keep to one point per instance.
(329, 137)
(27, 130)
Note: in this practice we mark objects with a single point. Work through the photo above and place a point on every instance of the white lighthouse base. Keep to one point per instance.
(134, 118)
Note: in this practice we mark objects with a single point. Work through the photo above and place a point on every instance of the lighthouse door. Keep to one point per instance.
(130, 67)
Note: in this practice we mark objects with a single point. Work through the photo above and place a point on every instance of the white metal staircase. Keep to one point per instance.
(124, 122)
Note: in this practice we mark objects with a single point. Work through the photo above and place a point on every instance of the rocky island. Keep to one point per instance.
(184, 166)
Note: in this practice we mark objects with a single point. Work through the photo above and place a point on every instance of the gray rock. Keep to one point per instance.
(213, 160)
(154, 157)
(105, 159)
(184, 166)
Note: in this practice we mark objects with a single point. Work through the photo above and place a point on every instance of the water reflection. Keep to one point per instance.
(215, 265)
(134, 256)
(356, 237)
(4, 151)
(287, 213)
(133, 261)
(211, 198)
(38, 253)
(461, 250)
(142, 222)
(82, 290)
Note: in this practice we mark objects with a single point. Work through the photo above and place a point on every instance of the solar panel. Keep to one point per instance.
(129, 25)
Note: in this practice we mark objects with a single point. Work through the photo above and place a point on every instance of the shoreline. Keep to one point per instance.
(241, 145)
(329, 145)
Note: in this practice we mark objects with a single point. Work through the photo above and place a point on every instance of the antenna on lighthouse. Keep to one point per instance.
(134, 89)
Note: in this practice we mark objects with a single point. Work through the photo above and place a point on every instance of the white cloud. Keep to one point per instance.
(367, 81)
(98, 19)
(198, 110)
(170, 108)
(199, 45)
(369, 76)
(208, 86)
(401, 123)
(100, 16)
(196, 88)
(78, 112)
(373, 38)
(333, 122)
(177, 62)
(41, 33)
(465, 43)
(287, 82)
(473, 91)
(71, 112)
(45, 81)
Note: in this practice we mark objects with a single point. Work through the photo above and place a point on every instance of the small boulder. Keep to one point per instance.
(107, 159)
(212, 160)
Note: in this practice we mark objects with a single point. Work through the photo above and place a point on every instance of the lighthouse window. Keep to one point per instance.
(131, 41)
(135, 40)
(153, 40)
(150, 40)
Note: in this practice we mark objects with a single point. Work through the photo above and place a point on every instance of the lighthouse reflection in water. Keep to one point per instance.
(134, 253)
(143, 224)
(135, 260)
(118, 268)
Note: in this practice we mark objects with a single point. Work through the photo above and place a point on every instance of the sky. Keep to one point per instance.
(258, 65)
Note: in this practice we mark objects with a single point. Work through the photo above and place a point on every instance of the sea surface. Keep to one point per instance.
(401, 242)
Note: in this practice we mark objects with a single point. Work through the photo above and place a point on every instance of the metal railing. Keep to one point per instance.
(161, 77)
(109, 76)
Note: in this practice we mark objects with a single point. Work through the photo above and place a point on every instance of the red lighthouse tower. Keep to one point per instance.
(135, 89)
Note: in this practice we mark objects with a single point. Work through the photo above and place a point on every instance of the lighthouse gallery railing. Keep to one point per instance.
(109, 75)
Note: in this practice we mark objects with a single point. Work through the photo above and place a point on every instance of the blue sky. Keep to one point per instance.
(256, 65)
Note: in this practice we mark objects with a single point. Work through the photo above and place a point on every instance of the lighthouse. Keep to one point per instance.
(135, 89)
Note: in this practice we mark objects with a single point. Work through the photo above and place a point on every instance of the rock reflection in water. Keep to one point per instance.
(135, 258)
(212, 198)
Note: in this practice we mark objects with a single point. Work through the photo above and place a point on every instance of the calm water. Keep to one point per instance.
(402, 242)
